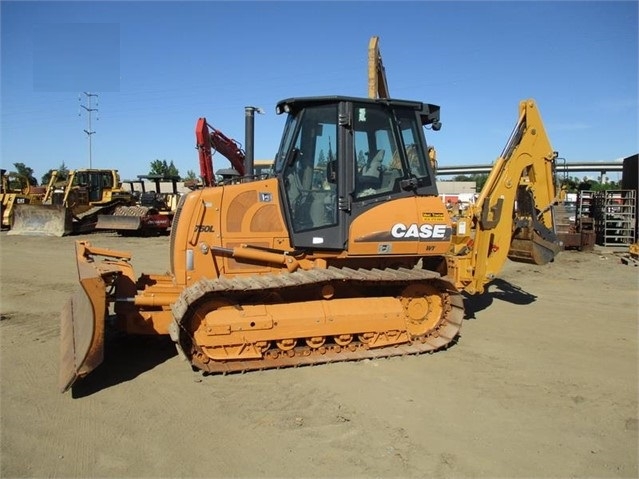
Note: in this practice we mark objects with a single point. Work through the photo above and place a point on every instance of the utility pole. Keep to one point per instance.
(90, 111)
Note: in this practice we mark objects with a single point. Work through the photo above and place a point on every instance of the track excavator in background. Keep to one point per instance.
(15, 190)
(210, 140)
(72, 206)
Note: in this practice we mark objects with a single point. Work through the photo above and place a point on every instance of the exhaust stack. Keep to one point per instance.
(249, 119)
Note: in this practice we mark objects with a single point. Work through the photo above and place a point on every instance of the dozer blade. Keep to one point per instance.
(533, 249)
(41, 220)
(118, 222)
(82, 328)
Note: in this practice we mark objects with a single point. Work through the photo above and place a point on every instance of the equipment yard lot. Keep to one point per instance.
(542, 383)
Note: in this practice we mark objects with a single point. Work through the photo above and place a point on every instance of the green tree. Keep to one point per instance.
(594, 185)
(192, 181)
(570, 184)
(161, 167)
(361, 159)
(321, 159)
(24, 170)
(63, 174)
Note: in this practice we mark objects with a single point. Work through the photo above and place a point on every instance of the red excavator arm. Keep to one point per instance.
(215, 139)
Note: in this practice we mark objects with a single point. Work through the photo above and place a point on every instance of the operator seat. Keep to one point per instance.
(370, 177)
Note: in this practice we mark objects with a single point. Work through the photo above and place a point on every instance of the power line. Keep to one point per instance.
(90, 111)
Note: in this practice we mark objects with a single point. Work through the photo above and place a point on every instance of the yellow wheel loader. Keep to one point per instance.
(344, 252)
(72, 206)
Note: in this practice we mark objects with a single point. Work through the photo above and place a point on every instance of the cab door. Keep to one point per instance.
(313, 184)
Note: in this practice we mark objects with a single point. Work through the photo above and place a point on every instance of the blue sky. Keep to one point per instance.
(156, 66)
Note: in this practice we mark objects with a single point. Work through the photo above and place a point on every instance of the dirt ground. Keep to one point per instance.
(542, 383)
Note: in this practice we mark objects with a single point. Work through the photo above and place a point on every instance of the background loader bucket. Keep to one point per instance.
(82, 328)
(118, 222)
(533, 249)
(41, 220)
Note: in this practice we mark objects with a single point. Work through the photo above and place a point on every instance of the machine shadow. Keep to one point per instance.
(125, 358)
(497, 289)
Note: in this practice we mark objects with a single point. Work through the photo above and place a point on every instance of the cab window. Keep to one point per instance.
(376, 152)
(310, 179)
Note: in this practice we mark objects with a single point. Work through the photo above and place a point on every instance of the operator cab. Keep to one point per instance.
(341, 156)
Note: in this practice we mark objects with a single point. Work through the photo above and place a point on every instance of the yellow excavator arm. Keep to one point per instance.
(512, 217)
(377, 84)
